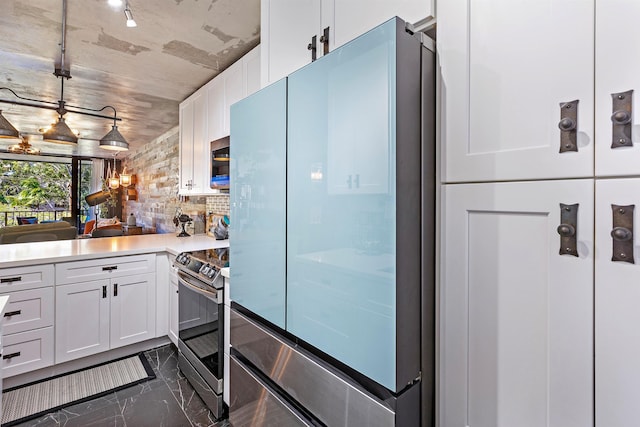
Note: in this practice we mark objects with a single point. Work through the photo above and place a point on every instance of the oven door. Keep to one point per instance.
(200, 331)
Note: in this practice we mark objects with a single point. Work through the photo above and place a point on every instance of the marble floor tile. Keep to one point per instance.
(165, 401)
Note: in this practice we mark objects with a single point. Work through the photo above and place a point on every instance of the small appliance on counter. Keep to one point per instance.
(183, 220)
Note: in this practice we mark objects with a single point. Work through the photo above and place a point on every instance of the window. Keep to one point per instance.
(44, 187)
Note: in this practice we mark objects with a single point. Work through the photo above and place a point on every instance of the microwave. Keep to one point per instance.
(220, 164)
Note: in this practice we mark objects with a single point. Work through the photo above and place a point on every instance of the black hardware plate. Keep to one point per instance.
(621, 132)
(623, 219)
(568, 132)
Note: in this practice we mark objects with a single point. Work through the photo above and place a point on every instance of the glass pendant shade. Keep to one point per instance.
(114, 182)
(60, 133)
(6, 129)
(114, 141)
(125, 178)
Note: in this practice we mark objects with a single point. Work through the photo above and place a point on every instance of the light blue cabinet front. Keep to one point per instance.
(257, 198)
(341, 204)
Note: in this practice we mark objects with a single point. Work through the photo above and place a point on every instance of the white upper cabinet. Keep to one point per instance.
(205, 117)
(503, 81)
(355, 17)
(617, 72)
(288, 27)
(193, 126)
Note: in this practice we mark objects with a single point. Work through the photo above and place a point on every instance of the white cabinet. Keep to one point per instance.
(288, 26)
(502, 83)
(205, 117)
(82, 319)
(516, 346)
(103, 304)
(103, 314)
(616, 28)
(617, 294)
(28, 319)
(193, 115)
(499, 116)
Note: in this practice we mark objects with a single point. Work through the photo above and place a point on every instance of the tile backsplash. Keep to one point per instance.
(156, 166)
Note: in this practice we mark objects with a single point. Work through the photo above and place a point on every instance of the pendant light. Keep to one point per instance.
(112, 180)
(23, 148)
(125, 178)
(60, 132)
(114, 140)
(6, 129)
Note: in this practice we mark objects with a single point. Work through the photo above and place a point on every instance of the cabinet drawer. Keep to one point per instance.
(104, 268)
(27, 310)
(21, 278)
(27, 351)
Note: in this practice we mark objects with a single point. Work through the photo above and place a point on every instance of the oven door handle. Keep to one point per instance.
(184, 280)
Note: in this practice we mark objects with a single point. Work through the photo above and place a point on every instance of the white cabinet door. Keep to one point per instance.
(193, 133)
(617, 71)
(502, 83)
(355, 17)
(516, 334)
(251, 71)
(215, 113)
(617, 310)
(234, 91)
(82, 319)
(200, 144)
(287, 27)
(186, 146)
(133, 309)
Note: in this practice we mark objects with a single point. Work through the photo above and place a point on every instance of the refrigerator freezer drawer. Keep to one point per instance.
(331, 397)
(255, 404)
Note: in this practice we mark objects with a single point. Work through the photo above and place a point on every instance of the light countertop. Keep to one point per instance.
(21, 254)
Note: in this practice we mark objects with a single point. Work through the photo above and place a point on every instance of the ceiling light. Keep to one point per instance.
(6, 129)
(127, 13)
(115, 3)
(24, 147)
(60, 131)
(114, 140)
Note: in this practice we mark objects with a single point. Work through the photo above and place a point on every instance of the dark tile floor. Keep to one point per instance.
(166, 401)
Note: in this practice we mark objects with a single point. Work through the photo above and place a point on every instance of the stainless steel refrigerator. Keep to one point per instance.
(332, 239)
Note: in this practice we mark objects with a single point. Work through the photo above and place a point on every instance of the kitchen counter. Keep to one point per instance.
(22, 254)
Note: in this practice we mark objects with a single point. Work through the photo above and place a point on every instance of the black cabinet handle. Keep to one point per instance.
(115, 289)
(312, 47)
(11, 356)
(324, 39)
(12, 313)
(112, 267)
(104, 291)
(11, 279)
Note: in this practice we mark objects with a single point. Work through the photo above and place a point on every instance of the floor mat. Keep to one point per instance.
(32, 400)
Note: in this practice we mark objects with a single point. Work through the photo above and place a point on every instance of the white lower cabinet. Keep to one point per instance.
(617, 307)
(28, 319)
(104, 314)
(516, 320)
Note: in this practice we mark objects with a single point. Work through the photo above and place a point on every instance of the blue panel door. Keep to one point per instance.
(257, 197)
(341, 204)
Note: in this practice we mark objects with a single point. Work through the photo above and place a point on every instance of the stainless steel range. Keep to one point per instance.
(200, 314)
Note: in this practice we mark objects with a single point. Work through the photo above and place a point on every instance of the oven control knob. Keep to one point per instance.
(211, 272)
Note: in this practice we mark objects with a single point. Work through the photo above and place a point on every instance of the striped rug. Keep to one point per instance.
(32, 400)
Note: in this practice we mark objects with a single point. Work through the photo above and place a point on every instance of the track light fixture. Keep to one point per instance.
(129, 15)
(60, 132)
